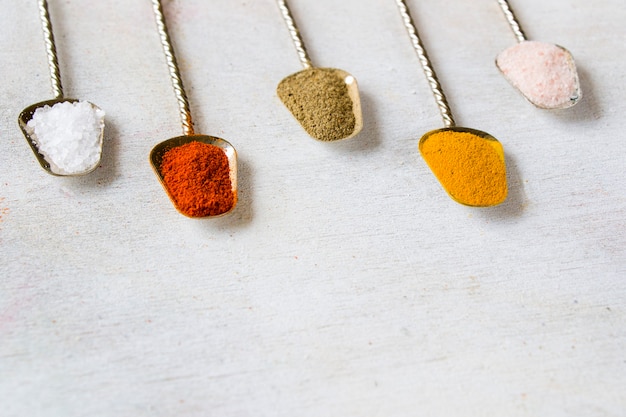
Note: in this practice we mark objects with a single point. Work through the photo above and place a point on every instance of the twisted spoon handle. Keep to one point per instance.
(177, 82)
(510, 17)
(295, 34)
(429, 71)
(51, 50)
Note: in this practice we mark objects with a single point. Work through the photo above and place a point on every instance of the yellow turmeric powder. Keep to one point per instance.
(468, 163)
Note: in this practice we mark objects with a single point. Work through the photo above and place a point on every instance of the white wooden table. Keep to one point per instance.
(346, 282)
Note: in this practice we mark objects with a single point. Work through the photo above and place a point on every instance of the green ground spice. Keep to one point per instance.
(318, 98)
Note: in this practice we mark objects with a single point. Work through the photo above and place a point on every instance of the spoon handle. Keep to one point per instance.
(295, 34)
(51, 50)
(429, 71)
(510, 17)
(177, 82)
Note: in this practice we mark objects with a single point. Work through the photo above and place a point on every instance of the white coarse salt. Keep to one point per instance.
(543, 72)
(68, 135)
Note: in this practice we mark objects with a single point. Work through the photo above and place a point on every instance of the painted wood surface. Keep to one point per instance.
(346, 282)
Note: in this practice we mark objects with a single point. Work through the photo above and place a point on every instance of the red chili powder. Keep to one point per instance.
(197, 176)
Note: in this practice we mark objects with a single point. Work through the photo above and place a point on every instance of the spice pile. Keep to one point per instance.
(319, 99)
(197, 177)
(68, 135)
(543, 72)
(470, 168)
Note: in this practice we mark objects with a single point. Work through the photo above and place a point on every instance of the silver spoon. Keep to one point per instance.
(482, 185)
(544, 73)
(27, 114)
(157, 153)
(314, 96)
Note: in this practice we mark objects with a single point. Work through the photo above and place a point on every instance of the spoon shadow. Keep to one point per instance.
(243, 213)
(516, 201)
(369, 137)
(588, 108)
(107, 171)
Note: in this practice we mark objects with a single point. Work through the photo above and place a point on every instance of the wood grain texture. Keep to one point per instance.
(346, 282)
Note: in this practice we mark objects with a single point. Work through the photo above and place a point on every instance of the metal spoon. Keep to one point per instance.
(544, 73)
(156, 155)
(311, 94)
(55, 76)
(494, 149)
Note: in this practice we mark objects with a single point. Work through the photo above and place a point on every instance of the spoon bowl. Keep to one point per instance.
(544, 73)
(476, 177)
(156, 160)
(325, 101)
(27, 114)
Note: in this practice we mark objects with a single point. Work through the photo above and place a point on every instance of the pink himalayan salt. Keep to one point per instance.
(543, 72)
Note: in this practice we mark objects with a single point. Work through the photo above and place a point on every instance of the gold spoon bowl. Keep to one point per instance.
(27, 114)
(325, 101)
(468, 163)
(156, 160)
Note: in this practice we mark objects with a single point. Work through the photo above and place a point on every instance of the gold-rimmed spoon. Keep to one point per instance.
(468, 163)
(215, 198)
(67, 152)
(325, 101)
(544, 73)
